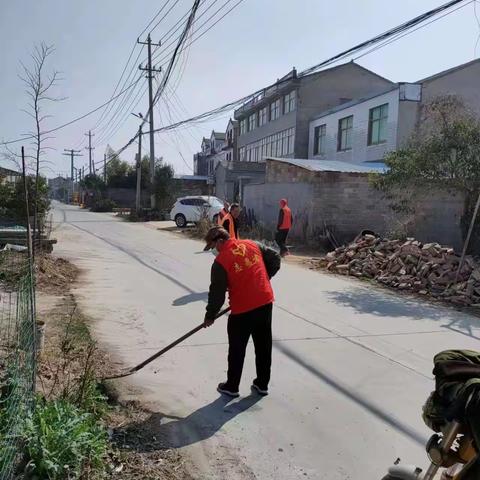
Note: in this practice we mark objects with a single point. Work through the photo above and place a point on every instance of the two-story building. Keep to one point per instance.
(276, 122)
(367, 128)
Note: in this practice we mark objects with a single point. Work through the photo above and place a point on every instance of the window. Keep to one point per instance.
(377, 125)
(319, 139)
(279, 144)
(243, 126)
(289, 102)
(241, 154)
(345, 127)
(274, 110)
(252, 122)
(262, 116)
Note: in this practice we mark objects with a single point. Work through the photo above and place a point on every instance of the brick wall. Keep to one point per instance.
(347, 203)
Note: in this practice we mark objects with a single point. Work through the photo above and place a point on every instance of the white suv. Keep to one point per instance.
(193, 209)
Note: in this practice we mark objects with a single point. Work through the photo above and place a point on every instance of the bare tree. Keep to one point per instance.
(39, 85)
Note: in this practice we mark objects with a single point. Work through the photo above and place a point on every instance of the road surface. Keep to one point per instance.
(351, 363)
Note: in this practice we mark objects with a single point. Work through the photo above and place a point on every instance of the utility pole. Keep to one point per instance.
(90, 148)
(72, 154)
(139, 171)
(150, 72)
(105, 168)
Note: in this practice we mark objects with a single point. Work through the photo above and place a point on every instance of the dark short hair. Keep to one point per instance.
(234, 205)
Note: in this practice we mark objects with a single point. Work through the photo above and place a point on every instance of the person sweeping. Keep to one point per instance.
(244, 269)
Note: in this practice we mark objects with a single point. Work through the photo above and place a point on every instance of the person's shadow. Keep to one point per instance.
(190, 298)
(179, 432)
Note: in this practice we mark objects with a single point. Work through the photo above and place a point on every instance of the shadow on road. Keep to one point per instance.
(190, 298)
(180, 432)
(389, 304)
(356, 397)
(385, 304)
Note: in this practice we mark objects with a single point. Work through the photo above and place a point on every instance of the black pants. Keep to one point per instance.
(281, 238)
(258, 324)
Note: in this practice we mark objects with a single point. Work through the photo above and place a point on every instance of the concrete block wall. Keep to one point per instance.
(347, 203)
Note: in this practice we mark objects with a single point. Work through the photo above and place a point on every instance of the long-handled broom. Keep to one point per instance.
(138, 367)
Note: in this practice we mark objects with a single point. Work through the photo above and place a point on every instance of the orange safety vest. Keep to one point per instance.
(287, 219)
(221, 215)
(248, 283)
(231, 225)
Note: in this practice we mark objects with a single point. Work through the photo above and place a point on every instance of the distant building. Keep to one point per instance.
(276, 122)
(200, 159)
(9, 176)
(365, 129)
(230, 147)
(231, 178)
(60, 188)
(205, 161)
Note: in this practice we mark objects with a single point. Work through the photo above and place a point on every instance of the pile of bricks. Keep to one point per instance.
(426, 269)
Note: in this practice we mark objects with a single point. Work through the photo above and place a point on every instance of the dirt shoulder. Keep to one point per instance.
(68, 352)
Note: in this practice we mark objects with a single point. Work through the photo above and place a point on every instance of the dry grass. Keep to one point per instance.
(69, 354)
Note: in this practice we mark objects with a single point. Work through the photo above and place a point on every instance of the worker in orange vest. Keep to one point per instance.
(285, 220)
(244, 268)
(223, 212)
(230, 221)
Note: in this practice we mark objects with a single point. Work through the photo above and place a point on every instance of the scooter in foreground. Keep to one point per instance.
(453, 412)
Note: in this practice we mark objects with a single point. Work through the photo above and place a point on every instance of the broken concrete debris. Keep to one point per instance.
(426, 269)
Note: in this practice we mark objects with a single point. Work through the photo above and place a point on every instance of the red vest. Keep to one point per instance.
(287, 219)
(248, 283)
(231, 225)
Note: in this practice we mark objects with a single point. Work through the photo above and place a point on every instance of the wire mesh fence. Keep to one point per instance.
(17, 354)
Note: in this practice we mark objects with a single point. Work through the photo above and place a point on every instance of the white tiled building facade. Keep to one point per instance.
(362, 130)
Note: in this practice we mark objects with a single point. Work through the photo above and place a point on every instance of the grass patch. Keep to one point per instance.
(63, 441)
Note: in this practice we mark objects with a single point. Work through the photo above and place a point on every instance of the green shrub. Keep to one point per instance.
(61, 441)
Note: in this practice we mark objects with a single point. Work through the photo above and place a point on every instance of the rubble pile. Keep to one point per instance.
(426, 269)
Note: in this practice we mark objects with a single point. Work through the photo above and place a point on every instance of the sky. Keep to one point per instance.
(256, 43)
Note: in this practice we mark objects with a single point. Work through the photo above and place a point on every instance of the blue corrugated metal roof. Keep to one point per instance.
(333, 165)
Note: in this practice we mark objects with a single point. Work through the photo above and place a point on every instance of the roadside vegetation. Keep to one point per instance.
(77, 429)
(443, 154)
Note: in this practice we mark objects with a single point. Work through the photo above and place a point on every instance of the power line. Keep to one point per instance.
(394, 31)
(182, 21)
(383, 36)
(158, 23)
(204, 23)
(118, 83)
(123, 114)
(138, 56)
(153, 19)
(77, 119)
(409, 32)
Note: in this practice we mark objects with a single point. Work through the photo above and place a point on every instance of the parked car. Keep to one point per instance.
(193, 209)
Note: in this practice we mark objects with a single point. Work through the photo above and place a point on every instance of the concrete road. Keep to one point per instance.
(351, 363)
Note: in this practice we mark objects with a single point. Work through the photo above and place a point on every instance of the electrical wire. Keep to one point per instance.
(383, 36)
(175, 40)
(204, 23)
(153, 19)
(115, 127)
(138, 56)
(399, 36)
(166, 14)
(76, 119)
